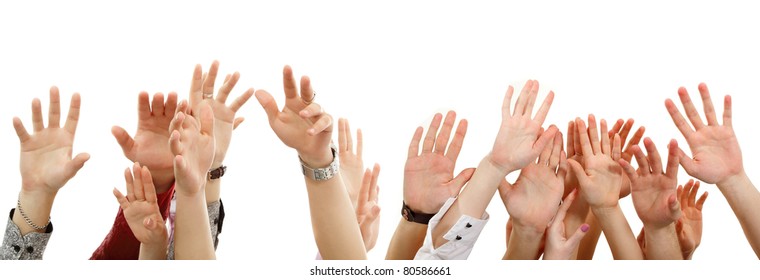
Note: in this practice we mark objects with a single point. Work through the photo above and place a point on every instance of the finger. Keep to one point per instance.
(54, 112)
(37, 115)
(577, 140)
(506, 103)
(641, 159)
(701, 201)
(414, 146)
(456, 143)
(543, 111)
(310, 111)
(123, 202)
(359, 143)
(727, 111)
(672, 169)
(570, 139)
(707, 104)
(342, 134)
(635, 139)
(691, 200)
(75, 164)
(562, 211)
(207, 120)
(653, 156)
(210, 79)
(546, 153)
(241, 100)
(349, 139)
(180, 166)
(543, 141)
(575, 240)
(21, 132)
(626, 130)
(138, 182)
(460, 180)
(504, 188)
(682, 196)
(174, 143)
(289, 83)
(268, 103)
(605, 137)
(149, 190)
(531, 99)
(580, 129)
(366, 186)
(678, 119)
(687, 162)
(554, 159)
(579, 172)
(323, 124)
(373, 183)
(237, 122)
(691, 111)
(157, 106)
(563, 167)
(171, 104)
(229, 83)
(122, 137)
(522, 99)
(130, 185)
(629, 170)
(429, 142)
(73, 117)
(196, 86)
(593, 134)
(675, 208)
(616, 128)
(616, 153)
(443, 136)
(307, 92)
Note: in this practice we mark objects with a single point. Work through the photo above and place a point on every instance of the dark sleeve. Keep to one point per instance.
(28, 247)
(215, 219)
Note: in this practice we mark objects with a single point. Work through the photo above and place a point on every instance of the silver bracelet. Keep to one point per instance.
(26, 218)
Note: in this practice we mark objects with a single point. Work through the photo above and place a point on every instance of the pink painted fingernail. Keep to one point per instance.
(584, 228)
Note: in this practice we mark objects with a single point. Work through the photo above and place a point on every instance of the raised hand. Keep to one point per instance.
(715, 150)
(351, 164)
(302, 124)
(141, 208)
(558, 245)
(150, 146)
(192, 143)
(429, 175)
(600, 176)
(45, 161)
(533, 200)
(202, 92)
(654, 192)
(520, 138)
(367, 209)
(689, 226)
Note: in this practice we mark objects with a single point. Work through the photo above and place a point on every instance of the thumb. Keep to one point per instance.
(267, 102)
(123, 202)
(237, 122)
(460, 180)
(72, 167)
(579, 172)
(577, 236)
(675, 207)
(122, 137)
(687, 162)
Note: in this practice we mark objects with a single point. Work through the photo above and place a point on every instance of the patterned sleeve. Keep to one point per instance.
(27, 247)
(215, 219)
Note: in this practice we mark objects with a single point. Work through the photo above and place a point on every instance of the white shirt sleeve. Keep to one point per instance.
(461, 237)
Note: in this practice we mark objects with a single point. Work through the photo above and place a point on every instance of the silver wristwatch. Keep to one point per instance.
(324, 173)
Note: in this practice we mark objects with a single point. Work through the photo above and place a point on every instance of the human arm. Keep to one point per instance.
(303, 126)
(717, 159)
(655, 199)
(533, 200)
(428, 181)
(600, 179)
(518, 143)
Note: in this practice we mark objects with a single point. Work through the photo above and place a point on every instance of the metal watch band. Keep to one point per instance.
(324, 173)
(411, 216)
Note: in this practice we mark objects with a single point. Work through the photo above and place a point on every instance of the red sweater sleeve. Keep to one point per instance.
(120, 243)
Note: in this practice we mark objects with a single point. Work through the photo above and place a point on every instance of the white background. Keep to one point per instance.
(388, 67)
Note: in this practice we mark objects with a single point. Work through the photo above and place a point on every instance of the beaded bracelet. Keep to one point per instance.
(26, 218)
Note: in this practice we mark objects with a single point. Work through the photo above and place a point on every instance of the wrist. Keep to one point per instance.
(491, 165)
(318, 159)
(527, 230)
(732, 181)
(605, 211)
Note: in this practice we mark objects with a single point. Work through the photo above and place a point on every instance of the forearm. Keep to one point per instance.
(36, 206)
(618, 233)
(743, 198)
(662, 243)
(192, 236)
(406, 241)
(331, 209)
(153, 251)
(589, 242)
(474, 198)
(524, 243)
(213, 190)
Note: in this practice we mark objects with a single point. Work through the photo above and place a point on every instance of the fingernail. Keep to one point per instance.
(584, 228)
